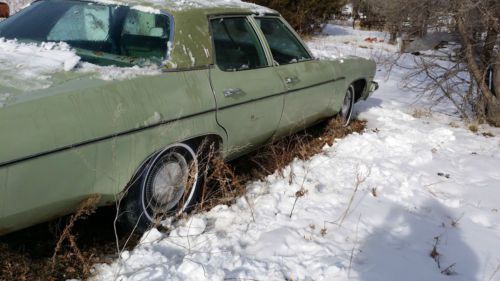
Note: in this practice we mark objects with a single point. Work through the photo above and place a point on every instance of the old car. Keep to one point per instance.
(232, 74)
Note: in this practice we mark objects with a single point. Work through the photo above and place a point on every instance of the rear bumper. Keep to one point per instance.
(373, 87)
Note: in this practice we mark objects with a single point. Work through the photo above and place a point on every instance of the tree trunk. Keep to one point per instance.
(496, 76)
(394, 36)
(489, 44)
(493, 113)
(492, 103)
(493, 108)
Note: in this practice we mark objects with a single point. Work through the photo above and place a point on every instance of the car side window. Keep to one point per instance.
(236, 44)
(145, 35)
(113, 30)
(285, 46)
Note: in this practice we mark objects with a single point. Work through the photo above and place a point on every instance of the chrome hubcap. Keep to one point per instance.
(169, 182)
(347, 104)
(347, 107)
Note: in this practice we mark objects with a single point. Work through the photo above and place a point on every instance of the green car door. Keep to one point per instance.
(310, 83)
(248, 91)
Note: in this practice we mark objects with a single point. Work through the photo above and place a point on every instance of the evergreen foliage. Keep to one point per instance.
(306, 16)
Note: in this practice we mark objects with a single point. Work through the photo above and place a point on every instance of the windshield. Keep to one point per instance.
(101, 34)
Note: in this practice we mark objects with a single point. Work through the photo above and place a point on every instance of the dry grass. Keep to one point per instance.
(436, 256)
(421, 113)
(62, 249)
(474, 128)
(87, 207)
(360, 179)
(226, 181)
(494, 272)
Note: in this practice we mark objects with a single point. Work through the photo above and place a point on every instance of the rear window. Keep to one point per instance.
(236, 44)
(101, 34)
(285, 46)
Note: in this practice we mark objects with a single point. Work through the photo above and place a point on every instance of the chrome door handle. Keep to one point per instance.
(233, 92)
(292, 80)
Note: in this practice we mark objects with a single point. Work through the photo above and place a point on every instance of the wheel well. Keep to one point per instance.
(359, 88)
(203, 140)
(194, 142)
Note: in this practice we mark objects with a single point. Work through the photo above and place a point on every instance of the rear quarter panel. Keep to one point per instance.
(351, 69)
(120, 124)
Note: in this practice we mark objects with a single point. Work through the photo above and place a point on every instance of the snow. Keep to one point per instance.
(17, 5)
(375, 206)
(155, 6)
(33, 64)
(339, 41)
(118, 73)
(146, 9)
(180, 5)
(29, 66)
(4, 98)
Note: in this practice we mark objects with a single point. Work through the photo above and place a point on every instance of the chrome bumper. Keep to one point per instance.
(373, 87)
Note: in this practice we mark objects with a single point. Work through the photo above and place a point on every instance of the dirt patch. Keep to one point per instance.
(52, 252)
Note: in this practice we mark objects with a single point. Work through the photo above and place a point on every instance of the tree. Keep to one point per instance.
(476, 24)
(306, 16)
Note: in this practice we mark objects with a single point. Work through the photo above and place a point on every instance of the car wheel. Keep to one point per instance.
(347, 106)
(169, 185)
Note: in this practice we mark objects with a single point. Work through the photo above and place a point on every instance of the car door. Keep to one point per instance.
(311, 84)
(248, 91)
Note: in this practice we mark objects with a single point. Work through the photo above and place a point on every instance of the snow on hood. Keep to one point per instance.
(29, 66)
(118, 73)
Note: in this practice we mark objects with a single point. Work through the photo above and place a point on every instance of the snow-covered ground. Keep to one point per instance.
(375, 204)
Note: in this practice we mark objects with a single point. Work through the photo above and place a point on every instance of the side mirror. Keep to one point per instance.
(4, 10)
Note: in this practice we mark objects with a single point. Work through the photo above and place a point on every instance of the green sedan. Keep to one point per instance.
(235, 75)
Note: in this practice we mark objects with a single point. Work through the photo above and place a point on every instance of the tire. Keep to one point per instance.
(169, 185)
(347, 106)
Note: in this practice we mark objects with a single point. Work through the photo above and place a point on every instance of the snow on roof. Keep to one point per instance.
(180, 5)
